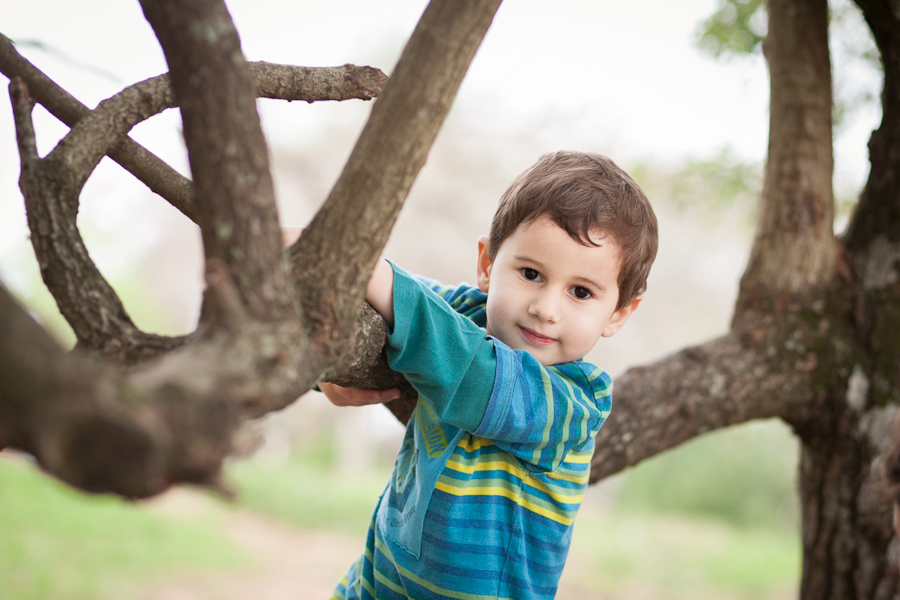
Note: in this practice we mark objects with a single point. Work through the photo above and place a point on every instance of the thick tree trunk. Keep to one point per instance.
(846, 522)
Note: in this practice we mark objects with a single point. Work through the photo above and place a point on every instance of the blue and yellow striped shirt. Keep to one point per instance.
(494, 462)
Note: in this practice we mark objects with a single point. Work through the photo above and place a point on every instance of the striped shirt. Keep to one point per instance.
(493, 465)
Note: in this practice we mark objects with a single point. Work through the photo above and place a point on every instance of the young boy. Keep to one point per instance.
(496, 456)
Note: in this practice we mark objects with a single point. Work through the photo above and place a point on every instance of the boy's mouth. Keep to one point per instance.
(536, 338)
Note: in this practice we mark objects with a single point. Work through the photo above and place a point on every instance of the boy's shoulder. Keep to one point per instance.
(467, 300)
(564, 378)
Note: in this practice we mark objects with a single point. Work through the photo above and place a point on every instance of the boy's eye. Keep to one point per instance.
(581, 293)
(530, 274)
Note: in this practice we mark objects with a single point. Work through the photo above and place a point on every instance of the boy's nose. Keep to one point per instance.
(545, 307)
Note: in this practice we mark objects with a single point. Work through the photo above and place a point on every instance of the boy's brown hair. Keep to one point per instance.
(583, 192)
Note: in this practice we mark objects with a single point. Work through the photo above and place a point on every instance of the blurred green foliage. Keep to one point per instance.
(60, 543)
(722, 190)
(743, 476)
(307, 490)
(737, 27)
(657, 556)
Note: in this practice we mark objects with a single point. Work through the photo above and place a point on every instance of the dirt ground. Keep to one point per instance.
(289, 563)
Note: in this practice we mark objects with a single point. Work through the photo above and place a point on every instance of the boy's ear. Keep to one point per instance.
(484, 264)
(621, 316)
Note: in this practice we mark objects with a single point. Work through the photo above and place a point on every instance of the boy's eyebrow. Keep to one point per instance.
(599, 286)
(540, 265)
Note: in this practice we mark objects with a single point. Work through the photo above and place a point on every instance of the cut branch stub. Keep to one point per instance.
(314, 84)
(90, 425)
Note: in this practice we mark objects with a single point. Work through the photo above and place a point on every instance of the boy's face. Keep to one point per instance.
(550, 295)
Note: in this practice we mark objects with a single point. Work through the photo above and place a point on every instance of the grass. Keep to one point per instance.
(60, 543)
(671, 557)
(745, 476)
(307, 492)
(657, 538)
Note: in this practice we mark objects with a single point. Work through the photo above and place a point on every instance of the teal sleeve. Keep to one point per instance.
(447, 358)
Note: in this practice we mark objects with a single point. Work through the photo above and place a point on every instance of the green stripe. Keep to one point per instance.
(570, 409)
(548, 394)
(439, 590)
(418, 580)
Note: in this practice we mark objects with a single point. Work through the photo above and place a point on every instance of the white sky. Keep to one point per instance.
(622, 78)
(624, 71)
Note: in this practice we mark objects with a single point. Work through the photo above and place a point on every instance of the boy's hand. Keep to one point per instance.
(341, 396)
(289, 235)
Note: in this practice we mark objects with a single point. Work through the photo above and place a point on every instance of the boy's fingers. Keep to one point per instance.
(341, 396)
(362, 397)
(388, 395)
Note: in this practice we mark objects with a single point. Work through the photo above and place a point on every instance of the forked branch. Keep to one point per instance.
(171, 419)
(273, 81)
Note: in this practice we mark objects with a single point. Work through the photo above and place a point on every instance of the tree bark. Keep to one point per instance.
(137, 431)
(384, 163)
(272, 81)
(794, 249)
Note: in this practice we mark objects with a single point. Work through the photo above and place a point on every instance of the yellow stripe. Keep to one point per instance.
(494, 465)
(386, 582)
(579, 459)
(548, 396)
(571, 400)
(439, 590)
(573, 457)
(559, 494)
(527, 479)
(470, 443)
(509, 494)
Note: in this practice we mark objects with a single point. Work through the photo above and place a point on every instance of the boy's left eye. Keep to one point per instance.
(581, 293)
(530, 274)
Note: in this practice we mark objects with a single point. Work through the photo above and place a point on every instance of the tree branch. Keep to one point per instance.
(89, 304)
(135, 433)
(341, 245)
(145, 165)
(273, 81)
(873, 237)
(251, 355)
(878, 213)
(794, 248)
(315, 84)
(721, 383)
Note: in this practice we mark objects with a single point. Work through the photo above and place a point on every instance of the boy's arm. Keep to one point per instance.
(341, 396)
(380, 290)
(542, 414)
(380, 295)
(445, 356)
